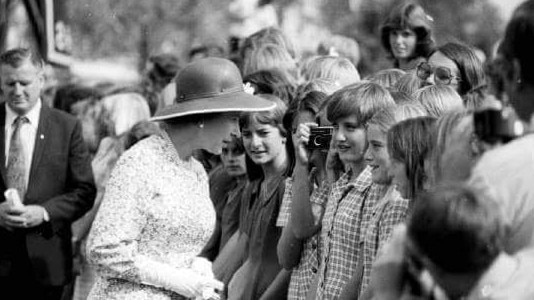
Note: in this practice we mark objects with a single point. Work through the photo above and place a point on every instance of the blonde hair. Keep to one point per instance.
(387, 78)
(125, 111)
(437, 99)
(269, 56)
(337, 69)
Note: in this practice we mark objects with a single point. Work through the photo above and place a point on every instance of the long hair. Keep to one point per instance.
(444, 129)
(409, 16)
(410, 142)
(517, 42)
(275, 118)
(473, 82)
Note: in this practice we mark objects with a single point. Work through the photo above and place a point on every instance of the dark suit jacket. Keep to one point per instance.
(61, 180)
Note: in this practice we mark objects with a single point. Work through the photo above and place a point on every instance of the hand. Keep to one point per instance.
(10, 217)
(302, 153)
(32, 216)
(202, 266)
(334, 166)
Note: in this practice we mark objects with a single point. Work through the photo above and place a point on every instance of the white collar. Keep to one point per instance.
(32, 115)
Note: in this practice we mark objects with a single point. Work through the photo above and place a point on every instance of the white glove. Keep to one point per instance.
(189, 283)
(202, 266)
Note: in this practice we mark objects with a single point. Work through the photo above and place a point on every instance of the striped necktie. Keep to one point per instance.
(16, 164)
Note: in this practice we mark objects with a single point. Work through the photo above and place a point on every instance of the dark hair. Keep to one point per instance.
(409, 16)
(17, 56)
(310, 102)
(518, 40)
(410, 142)
(273, 81)
(140, 131)
(473, 85)
(362, 99)
(457, 229)
(209, 50)
(69, 94)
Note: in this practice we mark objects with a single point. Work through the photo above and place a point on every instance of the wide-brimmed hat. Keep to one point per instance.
(211, 85)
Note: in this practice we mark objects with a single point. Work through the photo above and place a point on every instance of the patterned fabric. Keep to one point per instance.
(16, 164)
(302, 275)
(348, 211)
(285, 208)
(391, 210)
(155, 217)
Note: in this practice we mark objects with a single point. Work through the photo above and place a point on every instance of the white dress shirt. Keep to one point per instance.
(28, 132)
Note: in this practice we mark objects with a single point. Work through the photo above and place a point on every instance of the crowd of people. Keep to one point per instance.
(272, 176)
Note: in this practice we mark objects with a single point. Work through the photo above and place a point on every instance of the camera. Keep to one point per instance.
(495, 126)
(320, 137)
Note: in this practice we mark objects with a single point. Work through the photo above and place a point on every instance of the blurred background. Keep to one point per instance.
(103, 41)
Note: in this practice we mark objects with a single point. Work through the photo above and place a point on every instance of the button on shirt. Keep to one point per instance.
(28, 131)
(347, 214)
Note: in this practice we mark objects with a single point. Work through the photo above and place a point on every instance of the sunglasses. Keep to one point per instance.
(442, 75)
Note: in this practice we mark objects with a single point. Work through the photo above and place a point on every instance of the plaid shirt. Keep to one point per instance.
(387, 213)
(285, 207)
(347, 214)
(303, 274)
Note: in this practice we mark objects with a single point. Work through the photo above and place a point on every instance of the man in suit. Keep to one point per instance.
(43, 157)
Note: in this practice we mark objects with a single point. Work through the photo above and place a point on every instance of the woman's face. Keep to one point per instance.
(439, 60)
(217, 130)
(263, 143)
(459, 155)
(349, 140)
(400, 178)
(377, 155)
(233, 160)
(402, 43)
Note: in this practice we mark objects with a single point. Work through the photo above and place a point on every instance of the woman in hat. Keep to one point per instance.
(156, 214)
(407, 36)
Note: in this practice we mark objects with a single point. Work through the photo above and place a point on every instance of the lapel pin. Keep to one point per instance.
(42, 136)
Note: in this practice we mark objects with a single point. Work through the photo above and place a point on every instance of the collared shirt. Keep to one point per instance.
(285, 207)
(506, 174)
(28, 131)
(390, 211)
(347, 214)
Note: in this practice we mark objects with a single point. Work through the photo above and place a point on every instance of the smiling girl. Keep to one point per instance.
(391, 209)
(407, 36)
(268, 146)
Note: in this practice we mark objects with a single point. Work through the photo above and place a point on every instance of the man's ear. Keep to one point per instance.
(41, 78)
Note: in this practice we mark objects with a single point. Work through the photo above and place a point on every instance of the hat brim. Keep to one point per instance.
(234, 102)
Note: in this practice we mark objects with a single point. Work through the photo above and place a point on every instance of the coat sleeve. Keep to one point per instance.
(80, 190)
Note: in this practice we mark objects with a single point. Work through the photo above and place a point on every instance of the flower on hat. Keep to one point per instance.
(249, 89)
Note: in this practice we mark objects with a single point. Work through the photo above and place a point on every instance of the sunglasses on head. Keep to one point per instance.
(442, 75)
